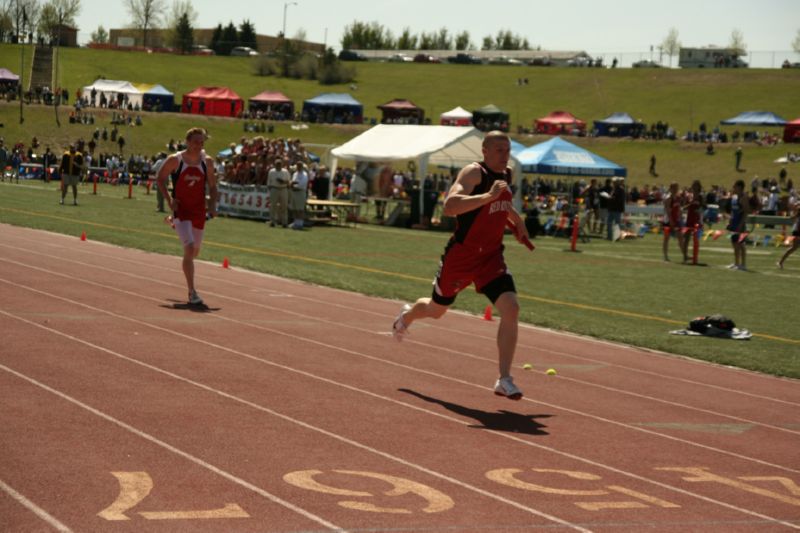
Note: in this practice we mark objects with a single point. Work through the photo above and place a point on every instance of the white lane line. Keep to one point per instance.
(307, 340)
(261, 408)
(196, 460)
(35, 509)
(384, 398)
(521, 346)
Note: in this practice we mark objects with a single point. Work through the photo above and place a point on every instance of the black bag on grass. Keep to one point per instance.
(713, 325)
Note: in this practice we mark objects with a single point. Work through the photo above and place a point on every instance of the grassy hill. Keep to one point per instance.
(682, 98)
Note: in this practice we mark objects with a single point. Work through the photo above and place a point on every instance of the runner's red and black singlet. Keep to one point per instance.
(483, 228)
(189, 186)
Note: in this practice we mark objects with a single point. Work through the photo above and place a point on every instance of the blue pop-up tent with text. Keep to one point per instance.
(558, 156)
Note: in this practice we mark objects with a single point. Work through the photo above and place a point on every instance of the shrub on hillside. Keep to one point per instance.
(335, 73)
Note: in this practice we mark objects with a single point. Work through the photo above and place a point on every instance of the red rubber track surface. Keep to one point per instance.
(288, 407)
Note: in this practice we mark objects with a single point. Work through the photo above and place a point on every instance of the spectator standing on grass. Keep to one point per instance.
(481, 201)
(191, 171)
(616, 207)
(795, 234)
(278, 180)
(591, 201)
(297, 198)
(602, 202)
(739, 209)
(160, 158)
(70, 170)
(738, 158)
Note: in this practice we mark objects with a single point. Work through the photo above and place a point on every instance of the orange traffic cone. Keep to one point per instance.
(487, 313)
(225, 263)
(83, 236)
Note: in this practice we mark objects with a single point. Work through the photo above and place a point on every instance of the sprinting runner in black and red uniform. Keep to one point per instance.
(480, 199)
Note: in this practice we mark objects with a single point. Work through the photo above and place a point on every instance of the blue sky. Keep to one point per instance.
(620, 26)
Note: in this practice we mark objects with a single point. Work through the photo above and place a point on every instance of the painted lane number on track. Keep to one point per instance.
(437, 502)
(507, 476)
(135, 486)
(701, 474)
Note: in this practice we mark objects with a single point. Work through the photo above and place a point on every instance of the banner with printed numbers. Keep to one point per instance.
(244, 201)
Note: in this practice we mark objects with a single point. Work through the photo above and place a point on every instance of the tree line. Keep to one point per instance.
(375, 36)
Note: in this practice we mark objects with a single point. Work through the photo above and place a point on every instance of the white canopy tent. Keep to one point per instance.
(425, 145)
(458, 116)
(111, 88)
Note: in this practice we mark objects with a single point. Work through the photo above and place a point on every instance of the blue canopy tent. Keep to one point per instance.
(155, 97)
(756, 118)
(618, 125)
(339, 108)
(558, 156)
(516, 147)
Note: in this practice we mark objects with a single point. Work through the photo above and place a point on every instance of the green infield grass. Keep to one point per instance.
(622, 291)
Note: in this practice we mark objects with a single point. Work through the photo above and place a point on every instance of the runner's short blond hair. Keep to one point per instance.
(495, 135)
(197, 131)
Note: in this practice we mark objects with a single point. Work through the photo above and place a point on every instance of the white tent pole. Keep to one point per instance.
(332, 171)
(422, 171)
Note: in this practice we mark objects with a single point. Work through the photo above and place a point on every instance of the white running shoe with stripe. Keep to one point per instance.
(505, 387)
(399, 328)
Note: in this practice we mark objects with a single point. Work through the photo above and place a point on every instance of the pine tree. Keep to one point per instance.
(247, 35)
(216, 37)
(184, 34)
(230, 38)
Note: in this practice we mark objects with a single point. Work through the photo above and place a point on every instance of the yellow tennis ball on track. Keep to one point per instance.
(527, 366)
(551, 371)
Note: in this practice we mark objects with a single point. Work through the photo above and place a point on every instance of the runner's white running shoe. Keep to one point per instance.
(505, 387)
(399, 328)
(194, 298)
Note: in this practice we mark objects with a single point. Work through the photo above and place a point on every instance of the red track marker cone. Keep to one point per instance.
(83, 236)
(487, 313)
(225, 263)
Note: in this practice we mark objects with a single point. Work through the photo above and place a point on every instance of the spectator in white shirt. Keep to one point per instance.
(297, 196)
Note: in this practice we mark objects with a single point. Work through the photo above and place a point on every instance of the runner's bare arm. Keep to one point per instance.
(169, 166)
(211, 176)
(459, 201)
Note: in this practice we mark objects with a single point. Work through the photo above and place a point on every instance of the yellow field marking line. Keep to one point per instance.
(256, 251)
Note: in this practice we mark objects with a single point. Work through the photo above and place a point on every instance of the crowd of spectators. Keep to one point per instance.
(251, 160)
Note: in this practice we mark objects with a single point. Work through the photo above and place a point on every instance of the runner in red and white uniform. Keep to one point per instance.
(191, 171)
(480, 199)
(673, 220)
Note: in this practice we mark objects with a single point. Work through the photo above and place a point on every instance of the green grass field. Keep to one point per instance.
(683, 98)
(622, 291)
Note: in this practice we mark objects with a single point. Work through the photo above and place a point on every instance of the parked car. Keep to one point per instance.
(201, 50)
(540, 61)
(466, 59)
(351, 55)
(401, 58)
(245, 51)
(425, 58)
(505, 60)
(646, 63)
(580, 61)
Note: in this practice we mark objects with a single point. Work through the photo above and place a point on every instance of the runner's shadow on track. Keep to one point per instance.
(184, 306)
(498, 421)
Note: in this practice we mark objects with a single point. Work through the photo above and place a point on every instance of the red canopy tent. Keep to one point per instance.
(560, 123)
(218, 101)
(791, 131)
(402, 112)
(274, 103)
